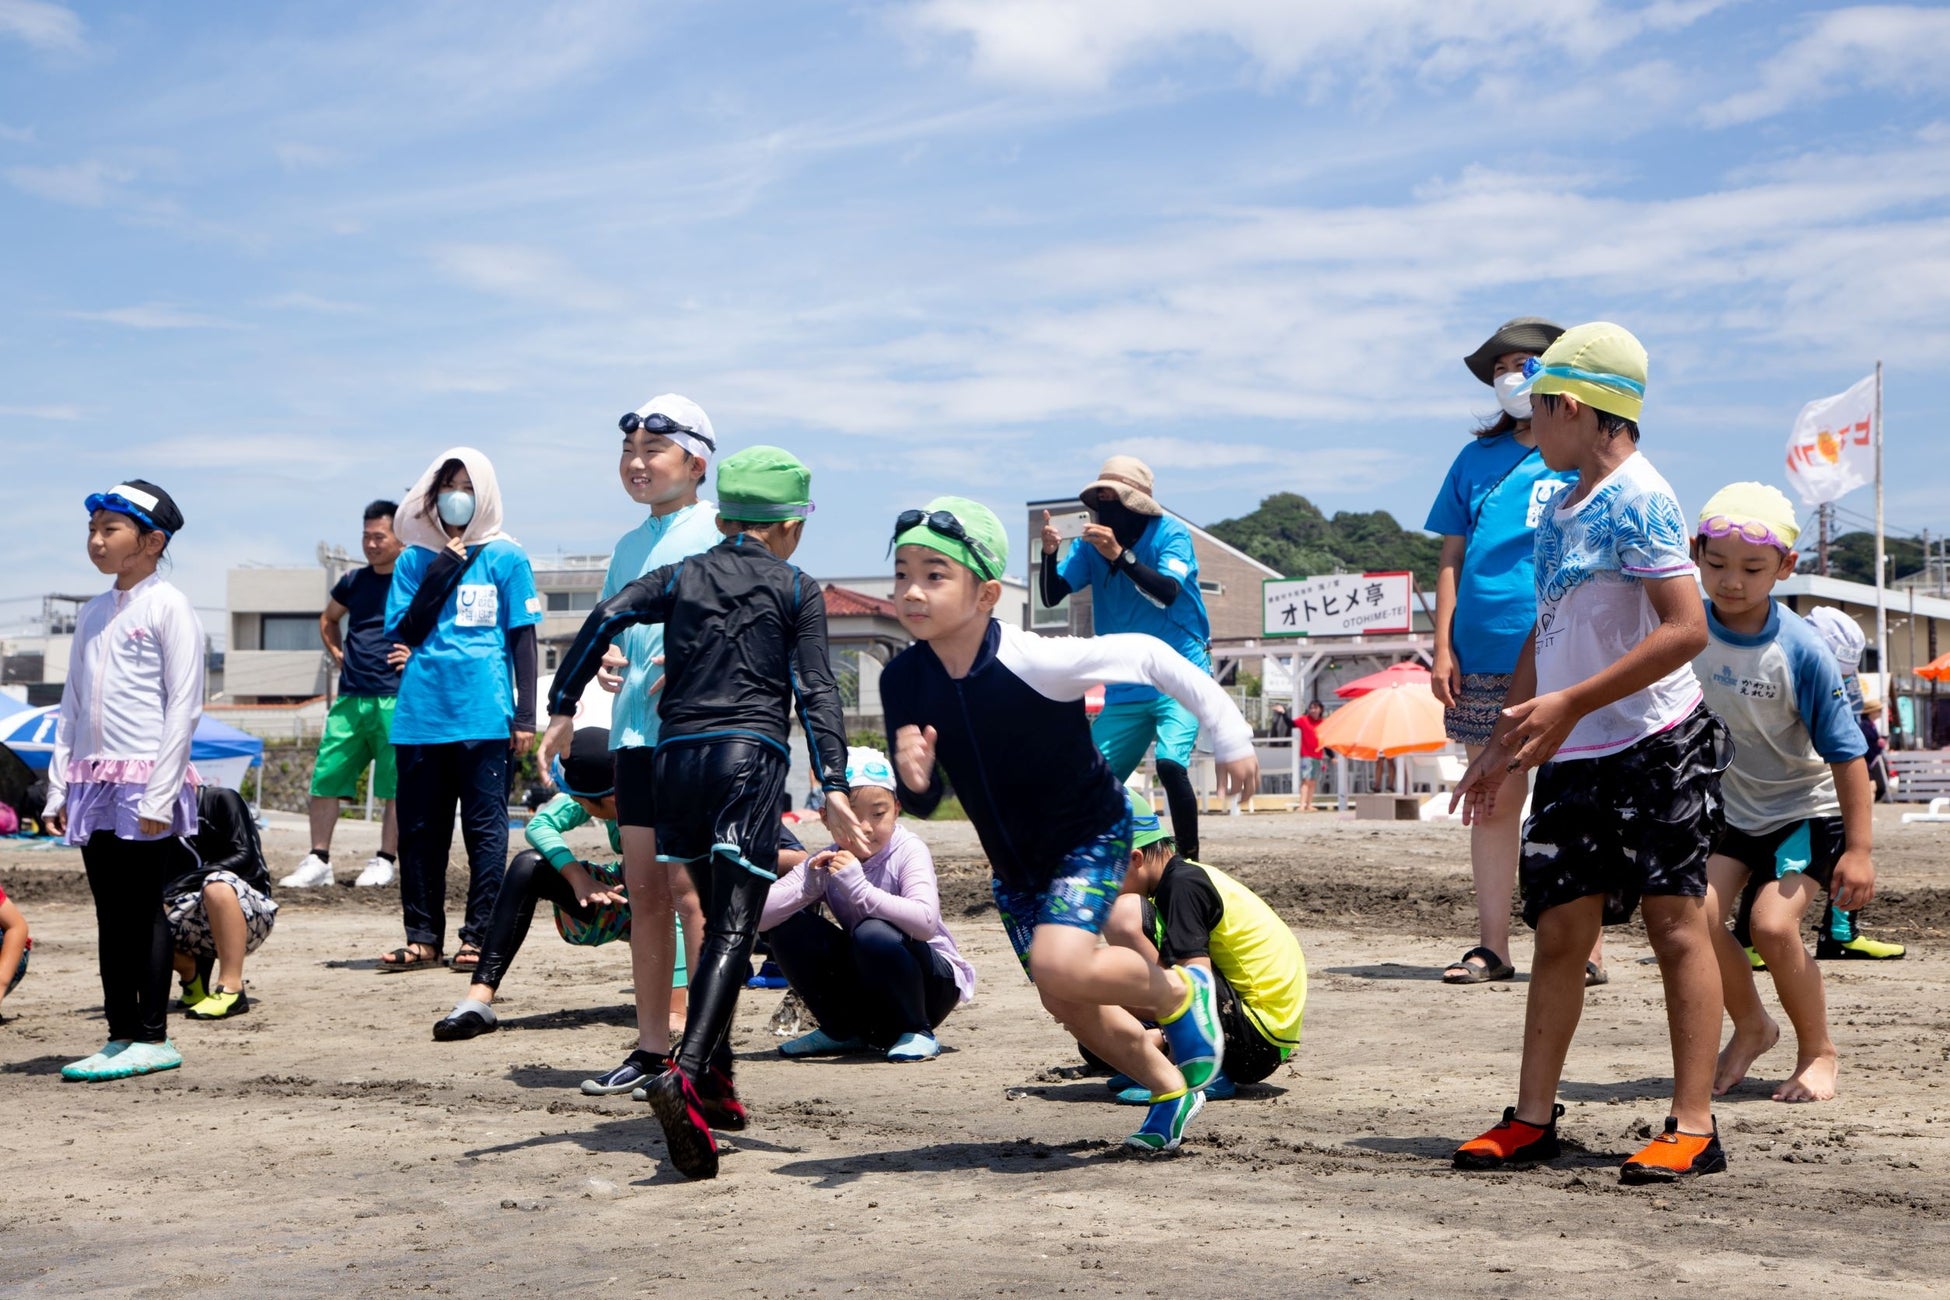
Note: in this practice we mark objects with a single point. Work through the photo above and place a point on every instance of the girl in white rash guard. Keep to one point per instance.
(120, 782)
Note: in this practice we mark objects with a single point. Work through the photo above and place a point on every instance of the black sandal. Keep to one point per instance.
(400, 960)
(467, 960)
(1493, 968)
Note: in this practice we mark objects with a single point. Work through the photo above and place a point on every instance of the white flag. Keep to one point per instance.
(1832, 449)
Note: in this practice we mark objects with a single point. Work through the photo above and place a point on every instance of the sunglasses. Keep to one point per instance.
(658, 422)
(1747, 530)
(121, 505)
(945, 523)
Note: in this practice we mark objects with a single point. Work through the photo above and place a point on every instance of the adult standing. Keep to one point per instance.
(1143, 572)
(667, 446)
(463, 597)
(1486, 603)
(359, 728)
(1312, 756)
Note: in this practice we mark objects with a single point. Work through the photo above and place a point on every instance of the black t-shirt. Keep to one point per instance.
(363, 593)
(1189, 904)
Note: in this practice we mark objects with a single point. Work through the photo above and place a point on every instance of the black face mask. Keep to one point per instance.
(1126, 524)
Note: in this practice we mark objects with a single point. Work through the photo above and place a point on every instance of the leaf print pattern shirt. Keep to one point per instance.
(1592, 560)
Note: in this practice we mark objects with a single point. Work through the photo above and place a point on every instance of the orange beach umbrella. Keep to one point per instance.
(1401, 719)
(1406, 673)
(1937, 670)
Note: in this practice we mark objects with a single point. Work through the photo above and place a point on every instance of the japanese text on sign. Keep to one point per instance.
(1339, 604)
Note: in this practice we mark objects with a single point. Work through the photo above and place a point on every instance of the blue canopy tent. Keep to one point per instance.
(221, 753)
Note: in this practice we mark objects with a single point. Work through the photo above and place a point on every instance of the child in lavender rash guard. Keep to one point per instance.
(889, 971)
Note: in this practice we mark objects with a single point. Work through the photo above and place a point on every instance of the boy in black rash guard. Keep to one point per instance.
(1003, 711)
(744, 637)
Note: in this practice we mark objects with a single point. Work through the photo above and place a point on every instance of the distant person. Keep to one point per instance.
(667, 448)
(359, 728)
(1142, 570)
(463, 597)
(120, 783)
(16, 946)
(1279, 724)
(1312, 756)
(1485, 603)
(884, 972)
(220, 907)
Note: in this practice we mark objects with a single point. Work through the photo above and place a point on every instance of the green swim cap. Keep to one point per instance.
(1146, 829)
(965, 531)
(761, 484)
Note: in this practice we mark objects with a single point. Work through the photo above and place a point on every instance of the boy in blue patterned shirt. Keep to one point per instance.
(1798, 794)
(1627, 801)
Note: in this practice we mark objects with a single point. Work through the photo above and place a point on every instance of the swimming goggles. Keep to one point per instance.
(560, 779)
(945, 523)
(1535, 369)
(1747, 530)
(121, 505)
(658, 422)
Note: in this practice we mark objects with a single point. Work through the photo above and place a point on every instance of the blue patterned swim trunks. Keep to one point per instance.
(1079, 895)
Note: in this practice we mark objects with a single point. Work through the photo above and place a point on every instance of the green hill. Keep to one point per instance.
(1289, 533)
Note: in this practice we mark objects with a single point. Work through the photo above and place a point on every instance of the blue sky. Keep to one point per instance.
(276, 257)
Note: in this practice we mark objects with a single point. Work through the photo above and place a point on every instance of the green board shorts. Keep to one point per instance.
(358, 731)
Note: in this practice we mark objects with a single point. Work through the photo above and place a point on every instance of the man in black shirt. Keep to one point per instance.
(358, 731)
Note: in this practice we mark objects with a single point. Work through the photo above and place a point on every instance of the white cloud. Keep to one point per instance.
(525, 274)
(57, 411)
(16, 134)
(311, 302)
(296, 156)
(1869, 47)
(154, 316)
(1083, 45)
(87, 184)
(42, 25)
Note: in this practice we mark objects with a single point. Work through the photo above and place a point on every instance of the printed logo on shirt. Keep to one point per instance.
(477, 604)
(1753, 688)
(1541, 494)
(534, 604)
(1178, 566)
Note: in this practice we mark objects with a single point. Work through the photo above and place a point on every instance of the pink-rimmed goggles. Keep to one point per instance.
(1747, 530)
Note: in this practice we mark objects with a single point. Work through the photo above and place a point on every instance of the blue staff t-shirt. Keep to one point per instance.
(366, 672)
(657, 541)
(1494, 497)
(459, 684)
(1117, 604)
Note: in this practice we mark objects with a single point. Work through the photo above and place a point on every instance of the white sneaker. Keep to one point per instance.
(378, 872)
(311, 873)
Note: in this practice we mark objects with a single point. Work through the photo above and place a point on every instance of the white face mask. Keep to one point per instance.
(456, 508)
(1517, 408)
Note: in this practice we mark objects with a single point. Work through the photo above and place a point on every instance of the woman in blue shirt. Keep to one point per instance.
(1485, 605)
(463, 597)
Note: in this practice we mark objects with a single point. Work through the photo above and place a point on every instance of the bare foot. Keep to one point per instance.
(1739, 1055)
(1812, 1080)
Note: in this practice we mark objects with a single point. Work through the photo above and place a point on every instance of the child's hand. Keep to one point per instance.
(589, 891)
(55, 823)
(1543, 724)
(843, 824)
(1051, 538)
(609, 674)
(555, 742)
(1854, 883)
(151, 826)
(398, 655)
(658, 685)
(1239, 778)
(1477, 790)
(1445, 678)
(914, 757)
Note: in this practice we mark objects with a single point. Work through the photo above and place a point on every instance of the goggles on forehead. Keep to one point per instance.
(945, 523)
(121, 505)
(561, 780)
(658, 422)
(1747, 530)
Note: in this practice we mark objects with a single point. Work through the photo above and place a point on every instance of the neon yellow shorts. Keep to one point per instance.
(358, 731)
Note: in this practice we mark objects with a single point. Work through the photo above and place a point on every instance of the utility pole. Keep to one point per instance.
(1823, 512)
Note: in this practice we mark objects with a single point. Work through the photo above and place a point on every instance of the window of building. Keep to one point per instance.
(289, 632)
(1212, 586)
(566, 601)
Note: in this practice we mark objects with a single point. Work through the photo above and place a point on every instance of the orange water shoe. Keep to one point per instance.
(1674, 1155)
(1512, 1142)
